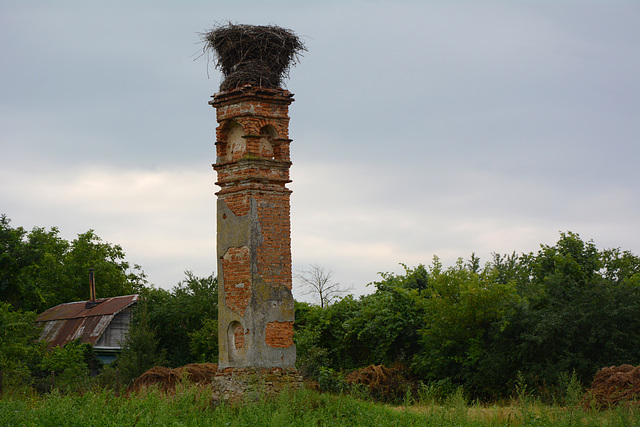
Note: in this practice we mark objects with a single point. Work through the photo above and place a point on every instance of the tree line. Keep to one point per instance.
(566, 311)
(562, 312)
(39, 269)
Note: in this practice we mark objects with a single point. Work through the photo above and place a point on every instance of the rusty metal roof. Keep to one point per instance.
(67, 322)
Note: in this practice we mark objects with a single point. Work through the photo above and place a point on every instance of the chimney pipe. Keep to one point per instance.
(92, 291)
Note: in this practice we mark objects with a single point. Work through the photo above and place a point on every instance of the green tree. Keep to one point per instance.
(463, 306)
(380, 328)
(184, 319)
(321, 336)
(114, 275)
(29, 264)
(583, 310)
(141, 348)
(19, 350)
(569, 309)
(387, 325)
(69, 365)
(203, 342)
(39, 269)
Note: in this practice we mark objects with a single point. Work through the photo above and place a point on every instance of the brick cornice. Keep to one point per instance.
(252, 189)
(253, 161)
(251, 93)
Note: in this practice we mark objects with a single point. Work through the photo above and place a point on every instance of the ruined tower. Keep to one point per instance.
(255, 308)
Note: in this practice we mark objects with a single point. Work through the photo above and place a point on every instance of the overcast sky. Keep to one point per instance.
(420, 128)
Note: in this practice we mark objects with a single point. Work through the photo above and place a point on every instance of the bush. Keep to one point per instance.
(68, 366)
(437, 391)
(332, 381)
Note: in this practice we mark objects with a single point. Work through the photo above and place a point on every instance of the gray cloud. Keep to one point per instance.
(420, 128)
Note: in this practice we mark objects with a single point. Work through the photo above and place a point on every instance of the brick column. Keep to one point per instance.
(255, 306)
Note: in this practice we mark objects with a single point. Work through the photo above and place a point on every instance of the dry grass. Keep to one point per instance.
(167, 379)
(386, 384)
(612, 386)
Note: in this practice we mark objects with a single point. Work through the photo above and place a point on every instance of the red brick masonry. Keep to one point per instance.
(279, 334)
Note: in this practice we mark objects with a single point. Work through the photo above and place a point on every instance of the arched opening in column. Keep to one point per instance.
(266, 148)
(235, 340)
(234, 144)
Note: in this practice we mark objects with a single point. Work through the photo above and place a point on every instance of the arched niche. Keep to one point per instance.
(235, 340)
(266, 147)
(234, 143)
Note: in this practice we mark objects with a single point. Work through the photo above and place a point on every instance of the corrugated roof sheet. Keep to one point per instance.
(67, 322)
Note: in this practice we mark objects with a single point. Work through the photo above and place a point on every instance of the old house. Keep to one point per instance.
(102, 323)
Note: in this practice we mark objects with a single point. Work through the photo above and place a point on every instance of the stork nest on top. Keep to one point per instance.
(252, 54)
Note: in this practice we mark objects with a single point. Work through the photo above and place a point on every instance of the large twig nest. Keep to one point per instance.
(252, 54)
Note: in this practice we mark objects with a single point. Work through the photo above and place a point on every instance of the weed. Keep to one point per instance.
(191, 405)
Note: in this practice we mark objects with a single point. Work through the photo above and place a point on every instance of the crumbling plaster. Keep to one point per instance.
(267, 303)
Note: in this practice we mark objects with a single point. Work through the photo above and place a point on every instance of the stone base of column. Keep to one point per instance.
(243, 385)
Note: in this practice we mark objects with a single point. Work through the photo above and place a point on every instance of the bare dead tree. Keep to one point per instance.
(317, 282)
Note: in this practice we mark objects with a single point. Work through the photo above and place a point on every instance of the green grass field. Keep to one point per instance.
(193, 406)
